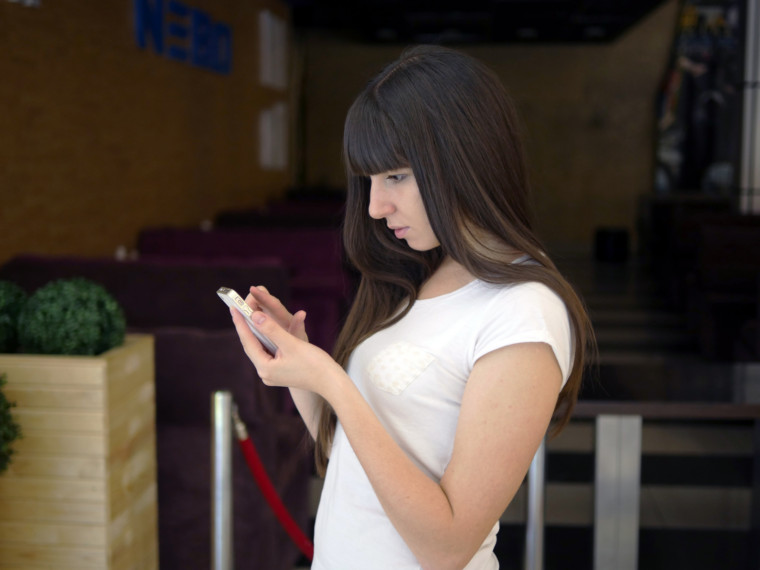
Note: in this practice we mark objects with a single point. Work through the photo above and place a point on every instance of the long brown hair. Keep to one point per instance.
(449, 118)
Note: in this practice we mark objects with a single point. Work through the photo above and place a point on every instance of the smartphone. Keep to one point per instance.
(232, 299)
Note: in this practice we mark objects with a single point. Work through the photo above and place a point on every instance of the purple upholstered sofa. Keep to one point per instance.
(319, 279)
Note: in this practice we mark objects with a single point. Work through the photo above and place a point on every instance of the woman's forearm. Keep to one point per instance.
(307, 404)
(416, 505)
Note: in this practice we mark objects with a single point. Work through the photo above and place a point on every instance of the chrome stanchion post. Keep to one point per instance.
(617, 488)
(221, 481)
(534, 524)
(749, 174)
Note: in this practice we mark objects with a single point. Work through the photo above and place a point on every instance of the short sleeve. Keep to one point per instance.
(527, 312)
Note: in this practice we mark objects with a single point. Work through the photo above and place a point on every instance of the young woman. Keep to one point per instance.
(462, 344)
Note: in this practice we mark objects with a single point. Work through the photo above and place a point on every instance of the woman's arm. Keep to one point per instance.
(307, 403)
(506, 408)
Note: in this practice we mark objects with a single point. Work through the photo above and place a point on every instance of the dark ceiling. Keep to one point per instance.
(474, 21)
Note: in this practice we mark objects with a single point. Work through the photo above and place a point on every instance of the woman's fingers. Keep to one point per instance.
(264, 301)
(251, 345)
(270, 304)
(270, 328)
(297, 326)
(296, 364)
(252, 303)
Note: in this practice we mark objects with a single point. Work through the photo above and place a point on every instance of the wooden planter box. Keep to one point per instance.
(80, 492)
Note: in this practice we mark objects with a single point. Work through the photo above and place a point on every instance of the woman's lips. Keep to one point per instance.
(400, 232)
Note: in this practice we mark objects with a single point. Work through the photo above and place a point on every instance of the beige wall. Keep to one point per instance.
(588, 110)
(99, 138)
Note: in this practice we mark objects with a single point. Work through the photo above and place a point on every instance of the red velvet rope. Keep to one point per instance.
(270, 494)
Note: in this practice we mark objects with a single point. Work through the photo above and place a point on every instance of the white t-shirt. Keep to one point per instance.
(413, 375)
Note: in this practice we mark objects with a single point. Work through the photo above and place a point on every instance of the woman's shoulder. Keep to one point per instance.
(516, 301)
(521, 290)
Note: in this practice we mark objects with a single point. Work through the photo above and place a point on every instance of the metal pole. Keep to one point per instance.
(534, 524)
(617, 487)
(221, 481)
(749, 183)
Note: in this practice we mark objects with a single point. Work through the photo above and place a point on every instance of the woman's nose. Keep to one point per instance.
(379, 206)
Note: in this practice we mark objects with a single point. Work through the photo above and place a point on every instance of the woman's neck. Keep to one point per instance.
(449, 277)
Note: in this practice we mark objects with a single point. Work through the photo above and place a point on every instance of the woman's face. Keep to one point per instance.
(395, 197)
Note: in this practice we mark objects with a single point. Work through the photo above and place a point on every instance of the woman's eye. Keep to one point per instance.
(396, 178)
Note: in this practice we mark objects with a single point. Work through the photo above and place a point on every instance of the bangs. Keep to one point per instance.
(371, 143)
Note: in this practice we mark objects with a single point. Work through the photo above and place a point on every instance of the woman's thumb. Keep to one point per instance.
(297, 326)
(268, 327)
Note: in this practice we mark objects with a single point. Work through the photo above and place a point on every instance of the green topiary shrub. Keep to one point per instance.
(71, 316)
(12, 300)
(9, 430)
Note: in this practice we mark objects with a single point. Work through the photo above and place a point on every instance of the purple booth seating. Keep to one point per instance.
(318, 279)
(197, 352)
(159, 291)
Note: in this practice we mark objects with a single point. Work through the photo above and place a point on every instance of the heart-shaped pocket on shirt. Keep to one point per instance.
(394, 368)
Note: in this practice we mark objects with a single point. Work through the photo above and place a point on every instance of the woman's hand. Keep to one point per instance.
(297, 364)
(259, 299)
(291, 339)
